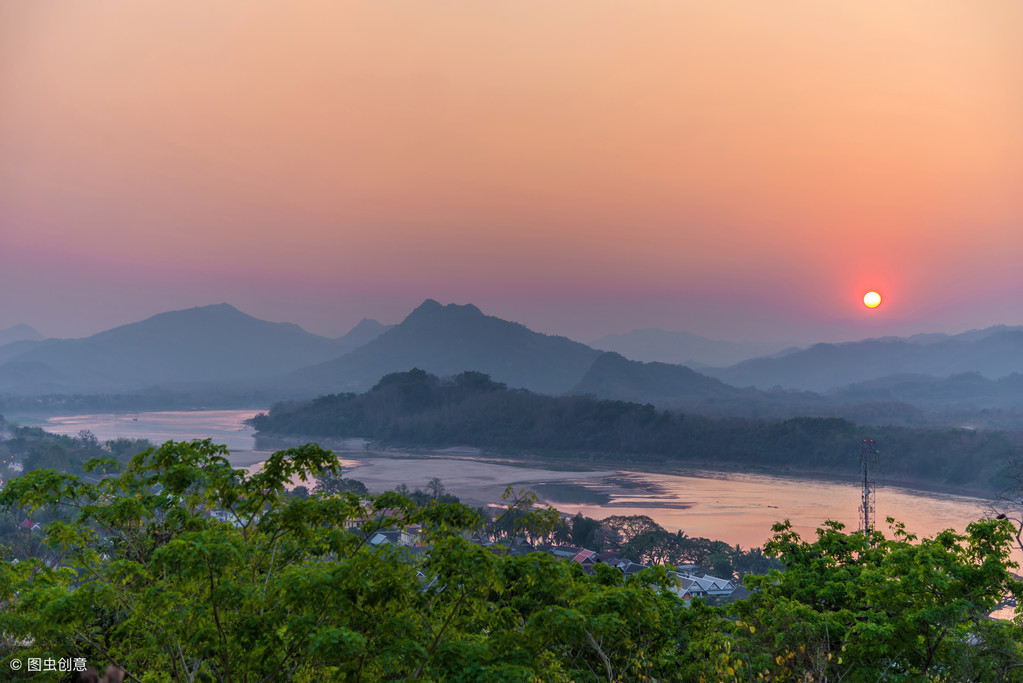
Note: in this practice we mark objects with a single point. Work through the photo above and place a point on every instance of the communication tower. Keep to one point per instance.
(870, 458)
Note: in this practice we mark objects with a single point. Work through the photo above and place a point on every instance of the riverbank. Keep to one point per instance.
(585, 462)
(735, 506)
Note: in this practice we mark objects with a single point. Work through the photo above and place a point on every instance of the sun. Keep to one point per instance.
(871, 299)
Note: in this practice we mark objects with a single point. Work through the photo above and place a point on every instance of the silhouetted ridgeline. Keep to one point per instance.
(418, 409)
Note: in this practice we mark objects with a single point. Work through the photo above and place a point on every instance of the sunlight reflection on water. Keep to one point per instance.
(223, 426)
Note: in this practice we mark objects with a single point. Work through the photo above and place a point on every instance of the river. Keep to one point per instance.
(223, 426)
(737, 508)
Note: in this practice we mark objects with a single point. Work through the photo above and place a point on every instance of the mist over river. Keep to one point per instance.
(736, 508)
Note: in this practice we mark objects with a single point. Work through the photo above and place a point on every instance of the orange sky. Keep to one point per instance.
(742, 169)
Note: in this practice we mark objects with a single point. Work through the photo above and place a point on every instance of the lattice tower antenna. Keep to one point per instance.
(870, 458)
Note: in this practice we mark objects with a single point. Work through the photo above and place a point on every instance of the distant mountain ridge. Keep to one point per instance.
(366, 331)
(448, 340)
(993, 353)
(612, 376)
(964, 390)
(682, 348)
(204, 344)
(19, 333)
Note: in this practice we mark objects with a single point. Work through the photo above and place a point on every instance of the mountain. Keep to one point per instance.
(206, 344)
(993, 353)
(682, 348)
(447, 340)
(366, 331)
(18, 333)
(614, 377)
(968, 390)
(16, 348)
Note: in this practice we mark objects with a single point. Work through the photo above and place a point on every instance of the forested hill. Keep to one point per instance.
(418, 409)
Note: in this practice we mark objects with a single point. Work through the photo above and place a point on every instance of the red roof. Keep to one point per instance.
(584, 555)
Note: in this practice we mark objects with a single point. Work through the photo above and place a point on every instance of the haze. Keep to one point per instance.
(740, 171)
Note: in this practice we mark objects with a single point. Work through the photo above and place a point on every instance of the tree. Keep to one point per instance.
(332, 485)
(87, 440)
(1009, 502)
(628, 527)
(145, 580)
(435, 487)
(584, 532)
(867, 607)
(139, 575)
(148, 582)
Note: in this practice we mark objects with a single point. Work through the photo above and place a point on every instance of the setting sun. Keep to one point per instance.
(871, 299)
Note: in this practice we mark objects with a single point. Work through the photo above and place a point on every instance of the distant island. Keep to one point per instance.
(418, 409)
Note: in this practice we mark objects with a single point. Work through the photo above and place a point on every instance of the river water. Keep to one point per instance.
(223, 426)
(736, 508)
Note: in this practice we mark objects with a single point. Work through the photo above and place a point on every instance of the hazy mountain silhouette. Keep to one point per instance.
(15, 349)
(964, 390)
(613, 376)
(447, 340)
(993, 353)
(32, 377)
(682, 348)
(198, 345)
(366, 331)
(18, 333)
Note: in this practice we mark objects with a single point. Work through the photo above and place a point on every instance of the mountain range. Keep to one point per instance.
(19, 333)
(218, 349)
(613, 376)
(684, 348)
(993, 353)
(207, 344)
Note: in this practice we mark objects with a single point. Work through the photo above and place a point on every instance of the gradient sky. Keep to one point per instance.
(745, 170)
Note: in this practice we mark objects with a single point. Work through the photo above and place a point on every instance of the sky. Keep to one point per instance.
(743, 170)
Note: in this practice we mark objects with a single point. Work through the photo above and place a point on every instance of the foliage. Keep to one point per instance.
(139, 574)
(434, 492)
(640, 539)
(332, 484)
(35, 448)
(1009, 502)
(865, 607)
(142, 577)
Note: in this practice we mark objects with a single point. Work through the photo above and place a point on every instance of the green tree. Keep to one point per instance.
(866, 607)
(331, 484)
(143, 578)
(134, 571)
(584, 532)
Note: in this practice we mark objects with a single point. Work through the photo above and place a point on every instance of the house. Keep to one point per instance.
(480, 538)
(377, 517)
(29, 525)
(565, 552)
(587, 558)
(704, 585)
(385, 538)
(410, 536)
(628, 567)
(686, 589)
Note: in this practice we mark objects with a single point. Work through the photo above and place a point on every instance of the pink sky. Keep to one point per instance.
(744, 170)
